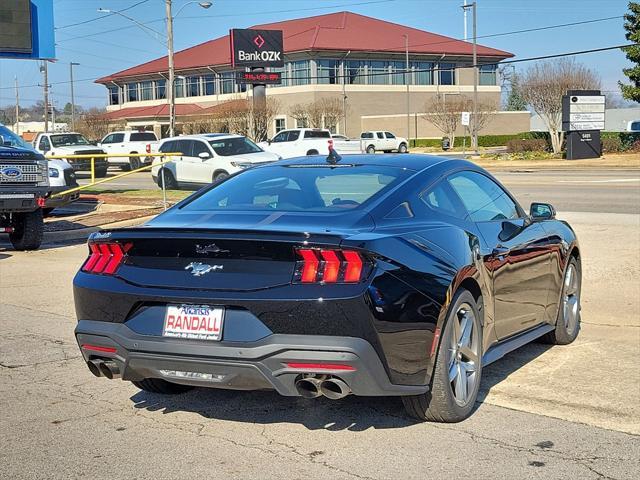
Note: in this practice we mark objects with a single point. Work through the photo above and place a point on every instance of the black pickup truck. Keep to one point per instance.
(24, 185)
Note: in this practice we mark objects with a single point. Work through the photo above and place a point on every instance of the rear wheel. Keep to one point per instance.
(101, 172)
(29, 228)
(456, 376)
(157, 385)
(312, 152)
(402, 148)
(371, 149)
(568, 321)
(169, 180)
(134, 162)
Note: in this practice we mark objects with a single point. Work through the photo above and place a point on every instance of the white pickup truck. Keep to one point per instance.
(297, 142)
(128, 142)
(373, 141)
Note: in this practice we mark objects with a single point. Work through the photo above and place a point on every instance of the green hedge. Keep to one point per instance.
(483, 140)
(627, 139)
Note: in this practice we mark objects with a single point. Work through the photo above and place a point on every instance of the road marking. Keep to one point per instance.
(613, 180)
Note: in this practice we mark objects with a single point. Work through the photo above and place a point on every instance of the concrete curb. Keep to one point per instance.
(83, 233)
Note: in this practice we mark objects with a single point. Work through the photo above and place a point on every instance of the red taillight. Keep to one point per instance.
(329, 266)
(105, 257)
(98, 348)
(313, 367)
(148, 148)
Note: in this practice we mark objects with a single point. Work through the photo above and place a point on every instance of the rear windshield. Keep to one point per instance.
(300, 188)
(143, 137)
(228, 147)
(317, 134)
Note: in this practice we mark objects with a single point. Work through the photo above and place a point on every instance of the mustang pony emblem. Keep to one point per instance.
(198, 269)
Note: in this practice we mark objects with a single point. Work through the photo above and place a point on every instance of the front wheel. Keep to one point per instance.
(169, 180)
(456, 376)
(568, 320)
(402, 148)
(219, 176)
(101, 172)
(157, 385)
(28, 231)
(371, 149)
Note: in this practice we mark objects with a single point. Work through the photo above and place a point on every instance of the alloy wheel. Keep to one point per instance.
(464, 354)
(571, 299)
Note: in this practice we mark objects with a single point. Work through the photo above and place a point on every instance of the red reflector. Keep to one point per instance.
(354, 266)
(331, 266)
(434, 342)
(320, 366)
(41, 202)
(98, 348)
(310, 266)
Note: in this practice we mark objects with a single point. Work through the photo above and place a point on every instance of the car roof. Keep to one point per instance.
(412, 161)
(203, 136)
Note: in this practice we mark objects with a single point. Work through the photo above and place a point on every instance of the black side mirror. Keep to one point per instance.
(542, 211)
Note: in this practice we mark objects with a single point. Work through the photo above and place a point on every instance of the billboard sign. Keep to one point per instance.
(583, 112)
(256, 48)
(26, 29)
(466, 119)
(259, 78)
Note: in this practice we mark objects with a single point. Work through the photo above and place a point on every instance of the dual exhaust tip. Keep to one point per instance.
(331, 387)
(104, 368)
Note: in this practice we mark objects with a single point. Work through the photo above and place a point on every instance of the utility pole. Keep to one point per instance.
(73, 100)
(170, 88)
(474, 130)
(45, 71)
(464, 9)
(17, 127)
(407, 78)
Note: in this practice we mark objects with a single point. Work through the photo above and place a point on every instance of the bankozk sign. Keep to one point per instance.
(256, 48)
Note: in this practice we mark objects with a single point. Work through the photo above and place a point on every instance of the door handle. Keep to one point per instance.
(500, 251)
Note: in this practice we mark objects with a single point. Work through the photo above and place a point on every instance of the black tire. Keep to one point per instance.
(219, 176)
(312, 152)
(169, 180)
(101, 172)
(125, 168)
(402, 148)
(134, 162)
(47, 211)
(567, 327)
(157, 385)
(29, 228)
(440, 404)
(371, 149)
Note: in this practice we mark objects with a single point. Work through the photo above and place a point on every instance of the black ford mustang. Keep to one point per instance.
(395, 275)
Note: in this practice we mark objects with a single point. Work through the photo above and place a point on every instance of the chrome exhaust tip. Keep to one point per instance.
(94, 367)
(110, 369)
(334, 389)
(308, 387)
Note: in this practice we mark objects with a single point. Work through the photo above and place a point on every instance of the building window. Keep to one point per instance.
(193, 86)
(178, 87)
(132, 92)
(281, 124)
(227, 81)
(399, 78)
(487, 75)
(209, 84)
(447, 74)
(300, 72)
(146, 90)
(422, 73)
(328, 71)
(355, 72)
(114, 95)
(161, 89)
(378, 73)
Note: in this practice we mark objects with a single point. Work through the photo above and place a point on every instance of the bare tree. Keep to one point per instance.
(480, 119)
(261, 118)
(94, 124)
(445, 114)
(331, 111)
(543, 86)
(299, 113)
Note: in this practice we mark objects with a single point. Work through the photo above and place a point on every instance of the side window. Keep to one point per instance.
(108, 139)
(186, 147)
(44, 144)
(293, 135)
(168, 146)
(442, 199)
(380, 134)
(281, 137)
(366, 135)
(198, 148)
(117, 138)
(389, 135)
(482, 197)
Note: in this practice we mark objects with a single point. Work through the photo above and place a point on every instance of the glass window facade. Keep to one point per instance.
(227, 82)
(328, 72)
(300, 72)
(161, 89)
(487, 75)
(209, 84)
(422, 73)
(378, 73)
(398, 75)
(447, 74)
(114, 94)
(132, 92)
(179, 87)
(193, 86)
(146, 90)
(356, 72)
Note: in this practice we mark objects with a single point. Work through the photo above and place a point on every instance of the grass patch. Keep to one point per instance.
(173, 195)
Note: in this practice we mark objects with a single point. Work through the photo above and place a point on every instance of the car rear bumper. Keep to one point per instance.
(261, 364)
(61, 200)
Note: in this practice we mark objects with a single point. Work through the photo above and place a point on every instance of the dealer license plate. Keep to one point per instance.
(198, 322)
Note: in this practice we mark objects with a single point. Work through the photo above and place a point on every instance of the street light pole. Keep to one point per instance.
(17, 126)
(73, 100)
(170, 89)
(474, 130)
(407, 78)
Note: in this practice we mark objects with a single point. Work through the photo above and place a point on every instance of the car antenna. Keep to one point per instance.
(333, 157)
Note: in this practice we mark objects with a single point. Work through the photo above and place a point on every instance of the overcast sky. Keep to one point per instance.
(101, 51)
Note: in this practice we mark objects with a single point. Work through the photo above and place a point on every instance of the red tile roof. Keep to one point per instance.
(339, 31)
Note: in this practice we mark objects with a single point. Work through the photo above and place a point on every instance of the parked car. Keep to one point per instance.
(633, 126)
(386, 275)
(72, 143)
(61, 178)
(205, 159)
(307, 141)
(387, 142)
(129, 142)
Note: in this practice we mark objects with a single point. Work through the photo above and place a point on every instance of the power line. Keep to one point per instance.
(100, 18)
(399, 72)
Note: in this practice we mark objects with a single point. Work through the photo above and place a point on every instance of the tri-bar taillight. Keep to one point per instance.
(105, 257)
(318, 265)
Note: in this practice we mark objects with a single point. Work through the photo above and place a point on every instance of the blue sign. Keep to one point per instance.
(26, 29)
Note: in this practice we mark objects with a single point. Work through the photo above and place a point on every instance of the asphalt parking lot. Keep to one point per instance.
(561, 412)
